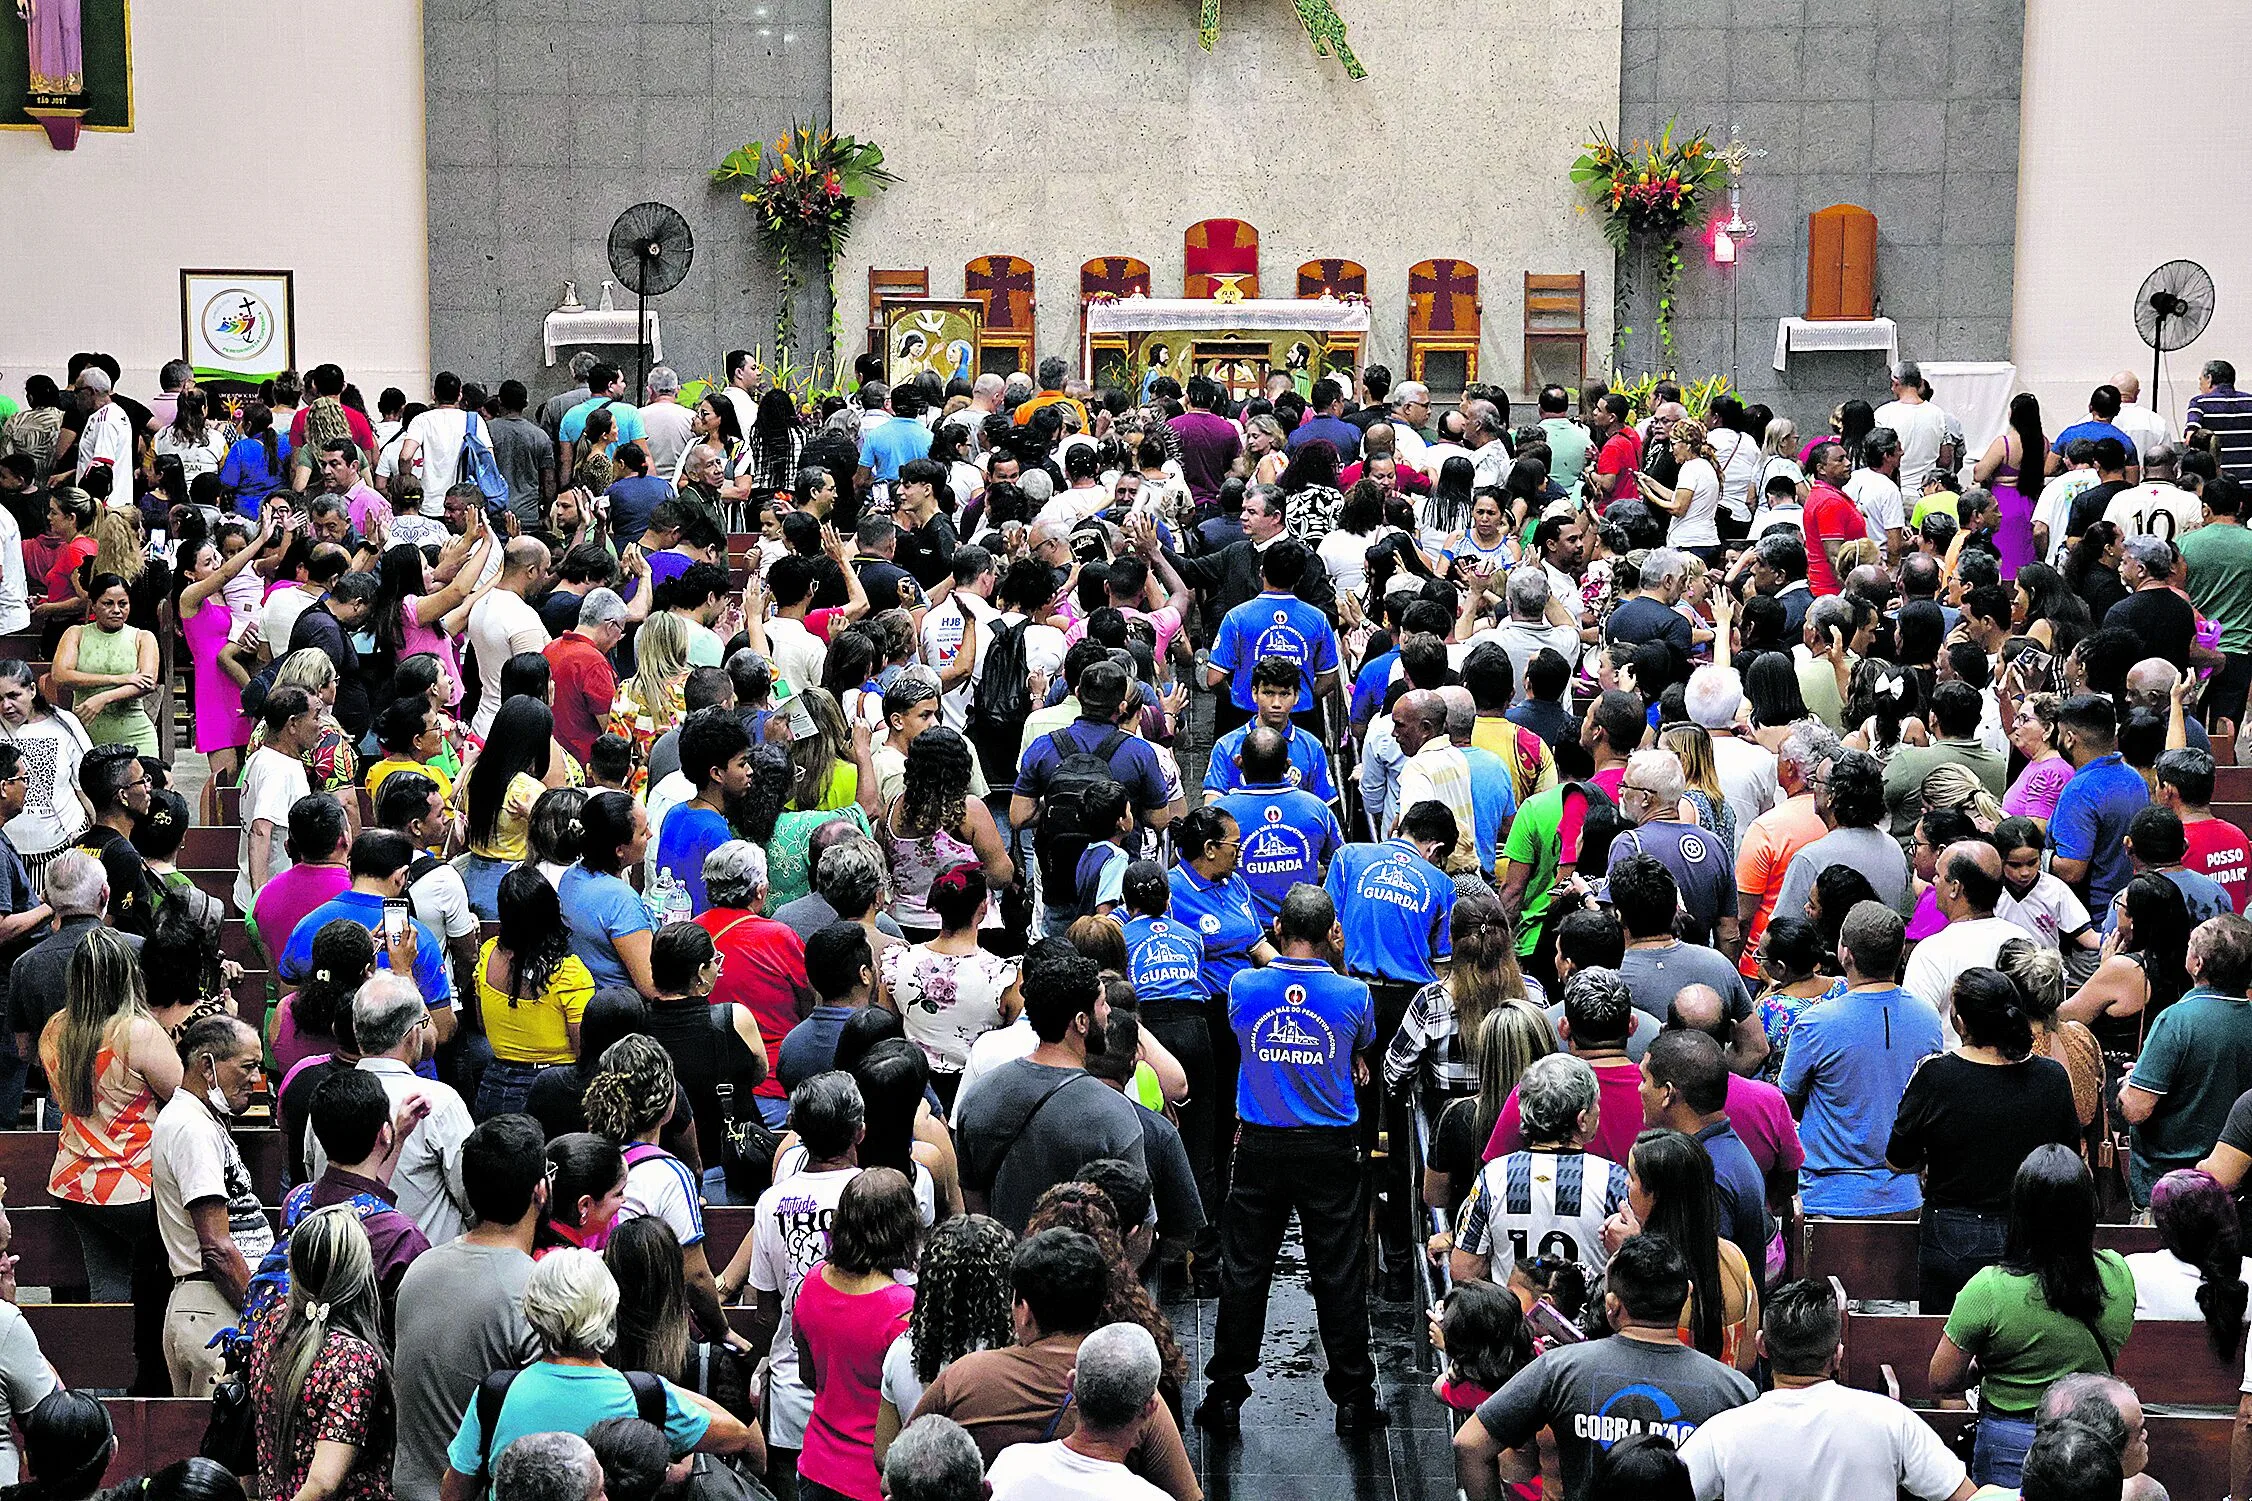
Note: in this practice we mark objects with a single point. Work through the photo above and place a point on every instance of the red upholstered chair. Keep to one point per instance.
(1115, 276)
(1004, 284)
(1444, 317)
(1215, 251)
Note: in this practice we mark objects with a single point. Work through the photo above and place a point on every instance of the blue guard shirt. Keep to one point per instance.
(1224, 917)
(1165, 960)
(1299, 1023)
(1275, 625)
(1288, 836)
(1309, 763)
(1395, 906)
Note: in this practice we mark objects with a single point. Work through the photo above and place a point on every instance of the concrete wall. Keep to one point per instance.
(1908, 108)
(549, 117)
(1100, 128)
(96, 237)
(2081, 261)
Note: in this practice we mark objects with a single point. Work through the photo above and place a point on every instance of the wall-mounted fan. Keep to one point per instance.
(651, 249)
(2172, 309)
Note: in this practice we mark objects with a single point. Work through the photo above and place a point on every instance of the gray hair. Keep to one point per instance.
(1118, 1371)
(1018, 388)
(1876, 443)
(1038, 485)
(2155, 554)
(2161, 456)
(1408, 392)
(571, 1302)
(601, 607)
(827, 1112)
(2085, 1396)
(852, 876)
(1659, 771)
(663, 381)
(546, 1467)
(384, 1012)
(1907, 373)
(1554, 1092)
(1664, 565)
(934, 1459)
(1830, 610)
(1808, 745)
(583, 363)
(1713, 696)
(1528, 594)
(1462, 711)
(75, 884)
(735, 874)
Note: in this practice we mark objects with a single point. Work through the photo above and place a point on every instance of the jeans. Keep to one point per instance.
(2141, 1179)
(482, 877)
(1314, 1170)
(1998, 1454)
(503, 1088)
(1951, 1245)
(1180, 1025)
(775, 1113)
(715, 1186)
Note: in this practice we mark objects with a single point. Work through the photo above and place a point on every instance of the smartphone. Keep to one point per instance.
(394, 918)
(1549, 1323)
(2032, 663)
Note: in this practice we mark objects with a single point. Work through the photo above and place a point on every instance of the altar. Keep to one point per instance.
(1127, 340)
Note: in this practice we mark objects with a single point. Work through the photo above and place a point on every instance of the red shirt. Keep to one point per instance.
(67, 558)
(1621, 455)
(1618, 1093)
(362, 431)
(585, 687)
(1829, 513)
(765, 970)
(1411, 480)
(2217, 848)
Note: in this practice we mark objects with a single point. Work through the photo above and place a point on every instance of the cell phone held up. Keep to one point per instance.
(395, 916)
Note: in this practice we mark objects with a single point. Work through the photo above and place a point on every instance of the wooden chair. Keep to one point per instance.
(1333, 279)
(1217, 253)
(1445, 317)
(891, 281)
(1556, 318)
(1875, 1260)
(1114, 276)
(1003, 283)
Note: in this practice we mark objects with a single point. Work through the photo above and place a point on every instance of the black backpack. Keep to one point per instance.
(1001, 703)
(1061, 836)
(492, 1394)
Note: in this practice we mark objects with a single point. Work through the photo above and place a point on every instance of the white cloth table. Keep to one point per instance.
(594, 326)
(1154, 314)
(1805, 334)
(1977, 394)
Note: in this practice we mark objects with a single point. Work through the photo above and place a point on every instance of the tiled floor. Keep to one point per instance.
(1289, 1449)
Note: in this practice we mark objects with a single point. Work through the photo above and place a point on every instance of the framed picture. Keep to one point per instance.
(238, 325)
(930, 333)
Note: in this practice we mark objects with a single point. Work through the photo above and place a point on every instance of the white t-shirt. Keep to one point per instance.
(1740, 464)
(2054, 509)
(1747, 777)
(1530, 1203)
(2166, 1285)
(1699, 525)
(1044, 647)
(661, 1187)
(942, 643)
(500, 626)
(195, 458)
(1921, 429)
(2147, 427)
(789, 1233)
(989, 1052)
(278, 616)
(1824, 1442)
(440, 902)
(1055, 1472)
(439, 431)
(272, 782)
(1940, 959)
(192, 1158)
(108, 434)
(1879, 500)
(901, 1386)
(2155, 510)
(2048, 911)
(798, 653)
(15, 599)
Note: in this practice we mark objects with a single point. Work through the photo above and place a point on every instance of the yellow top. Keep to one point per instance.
(513, 827)
(389, 764)
(532, 1030)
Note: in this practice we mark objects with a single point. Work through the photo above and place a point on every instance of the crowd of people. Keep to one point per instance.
(1026, 842)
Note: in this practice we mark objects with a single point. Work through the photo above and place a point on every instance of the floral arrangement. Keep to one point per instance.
(1324, 26)
(1650, 193)
(1697, 396)
(804, 186)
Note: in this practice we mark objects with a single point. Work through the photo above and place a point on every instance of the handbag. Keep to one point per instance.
(746, 1148)
(230, 1435)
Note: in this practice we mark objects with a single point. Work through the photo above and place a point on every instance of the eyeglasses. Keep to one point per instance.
(1228, 844)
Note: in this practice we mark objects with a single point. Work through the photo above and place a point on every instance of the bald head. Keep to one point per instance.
(1419, 716)
(524, 558)
(1670, 411)
(1462, 713)
(2150, 683)
(1699, 1008)
(2129, 387)
(1970, 879)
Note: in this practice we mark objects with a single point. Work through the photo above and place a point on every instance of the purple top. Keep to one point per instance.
(1928, 918)
(393, 1237)
(2034, 793)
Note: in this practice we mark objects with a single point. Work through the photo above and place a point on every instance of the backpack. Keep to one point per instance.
(1061, 836)
(1001, 703)
(492, 1394)
(478, 467)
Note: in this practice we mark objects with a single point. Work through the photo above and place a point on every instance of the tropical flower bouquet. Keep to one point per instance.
(1649, 194)
(803, 186)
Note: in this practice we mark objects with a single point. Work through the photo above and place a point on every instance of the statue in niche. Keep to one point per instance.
(57, 48)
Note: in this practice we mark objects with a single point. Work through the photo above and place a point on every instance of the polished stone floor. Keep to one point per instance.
(1289, 1449)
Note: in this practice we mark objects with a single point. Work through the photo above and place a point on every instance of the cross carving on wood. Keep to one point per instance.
(1118, 275)
(999, 281)
(1332, 278)
(1445, 296)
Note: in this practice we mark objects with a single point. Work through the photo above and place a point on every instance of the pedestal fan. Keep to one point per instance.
(2171, 310)
(651, 249)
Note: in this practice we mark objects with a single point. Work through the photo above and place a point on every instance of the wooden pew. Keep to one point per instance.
(47, 1250)
(2189, 1452)
(153, 1432)
(2232, 784)
(210, 847)
(27, 1157)
(2166, 1361)
(89, 1344)
(1876, 1259)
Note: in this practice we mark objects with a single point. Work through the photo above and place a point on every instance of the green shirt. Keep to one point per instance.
(1567, 446)
(1535, 839)
(2219, 555)
(2197, 1060)
(1905, 770)
(2023, 1345)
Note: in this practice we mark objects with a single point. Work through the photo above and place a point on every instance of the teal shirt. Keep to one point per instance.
(2220, 580)
(2197, 1060)
(550, 1398)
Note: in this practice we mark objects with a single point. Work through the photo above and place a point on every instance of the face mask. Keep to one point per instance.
(218, 1099)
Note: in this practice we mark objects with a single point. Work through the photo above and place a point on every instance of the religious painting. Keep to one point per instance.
(1241, 359)
(67, 66)
(933, 334)
(238, 327)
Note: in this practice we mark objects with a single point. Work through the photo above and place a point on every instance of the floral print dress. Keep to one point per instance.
(346, 1399)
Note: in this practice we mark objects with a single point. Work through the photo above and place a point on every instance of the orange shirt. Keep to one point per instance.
(105, 1158)
(1764, 853)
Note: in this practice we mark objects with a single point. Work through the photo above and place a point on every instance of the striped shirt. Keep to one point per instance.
(1539, 1203)
(2226, 413)
(1430, 1038)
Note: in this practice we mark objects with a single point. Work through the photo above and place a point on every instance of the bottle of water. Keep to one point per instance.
(679, 905)
(659, 897)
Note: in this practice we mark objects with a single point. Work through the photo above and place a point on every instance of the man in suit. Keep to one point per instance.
(1230, 576)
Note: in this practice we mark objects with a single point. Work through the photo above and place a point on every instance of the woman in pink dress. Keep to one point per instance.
(2016, 480)
(221, 728)
(849, 1309)
(411, 617)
